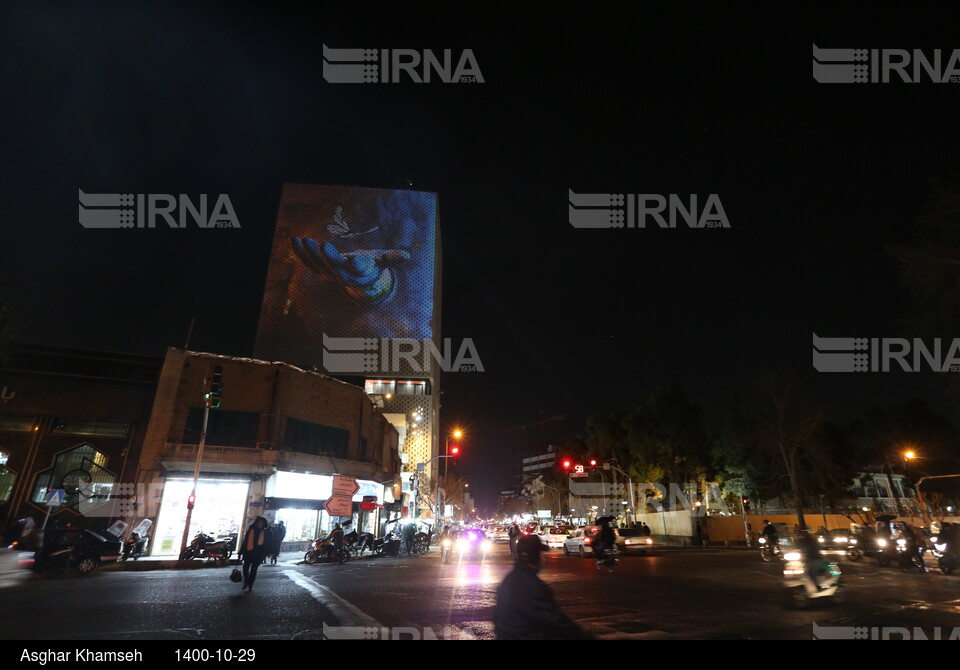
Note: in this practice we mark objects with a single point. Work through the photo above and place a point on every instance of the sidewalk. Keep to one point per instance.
(171, 562)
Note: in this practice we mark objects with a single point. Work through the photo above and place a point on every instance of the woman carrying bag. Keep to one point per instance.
(253, 550)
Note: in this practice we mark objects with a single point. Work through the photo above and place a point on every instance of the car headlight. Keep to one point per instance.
(628, 542)
(934, 539)
(649, 541)
(901, 543)
(462, 545)
(792, 556)
(821, 539)
(485, 545)
(853, 540)
(881, 543)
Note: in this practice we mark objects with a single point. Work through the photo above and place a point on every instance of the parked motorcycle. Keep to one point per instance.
(205, 546)
(806, 588)
(323, 550)
(135, 546)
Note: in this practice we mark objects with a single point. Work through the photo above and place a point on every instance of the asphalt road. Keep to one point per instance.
(692, 594)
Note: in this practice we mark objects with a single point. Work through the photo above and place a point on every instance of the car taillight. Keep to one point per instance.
(586, 540)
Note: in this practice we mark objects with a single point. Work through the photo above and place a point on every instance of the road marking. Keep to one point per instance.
(345, 612)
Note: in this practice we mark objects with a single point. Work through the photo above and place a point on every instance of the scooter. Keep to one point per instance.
(803, 586)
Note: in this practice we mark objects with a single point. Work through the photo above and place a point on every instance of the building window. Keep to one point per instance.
(379, 387)
(224, 427)
(15, 423)
(81, 473)
(89, 428)
(411, 388)
(314, 438)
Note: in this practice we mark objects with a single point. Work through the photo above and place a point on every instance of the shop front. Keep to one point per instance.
(218, 510)
(298, 499)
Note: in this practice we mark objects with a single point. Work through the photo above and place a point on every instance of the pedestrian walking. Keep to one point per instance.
(514, 534)
(253, 550)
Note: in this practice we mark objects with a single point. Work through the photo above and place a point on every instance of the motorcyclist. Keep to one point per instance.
(336, 540)
(771, 534)
(604, 539)
(915, 544)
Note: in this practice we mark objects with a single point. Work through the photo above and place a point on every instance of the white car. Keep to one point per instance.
(499, 534)
(580, 542)
(553, 536)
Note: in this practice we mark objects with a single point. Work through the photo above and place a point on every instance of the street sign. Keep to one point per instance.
(339, 505)
(368, 506)
(578, 471)
(344, 486)
(55, 497)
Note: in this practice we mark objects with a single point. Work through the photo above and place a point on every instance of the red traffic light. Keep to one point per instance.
(593, 462)
(566, 465)
(191, 499)
(455, 450)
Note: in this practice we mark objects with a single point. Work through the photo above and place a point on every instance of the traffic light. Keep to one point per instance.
(593, 462)
(455, 451)
(567, 464)
(746, 504)
(216, 387)
(191, 499)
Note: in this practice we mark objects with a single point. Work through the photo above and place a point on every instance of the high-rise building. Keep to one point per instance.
(353, 290)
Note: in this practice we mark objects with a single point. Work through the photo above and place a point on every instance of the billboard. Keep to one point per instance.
(351, 269)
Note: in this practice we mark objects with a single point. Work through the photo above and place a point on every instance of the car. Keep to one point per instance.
(472, 543)
(500, 534)
(579, 541)
(553, 536)
(633, 541)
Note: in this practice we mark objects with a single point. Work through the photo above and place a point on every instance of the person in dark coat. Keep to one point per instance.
(526, 607)
(253, 550)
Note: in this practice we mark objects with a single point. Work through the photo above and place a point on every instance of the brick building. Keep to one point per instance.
(272, 448)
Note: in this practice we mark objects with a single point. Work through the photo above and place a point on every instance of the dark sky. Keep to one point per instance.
(816, 180)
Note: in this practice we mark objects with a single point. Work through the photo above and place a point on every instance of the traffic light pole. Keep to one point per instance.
(196, 473)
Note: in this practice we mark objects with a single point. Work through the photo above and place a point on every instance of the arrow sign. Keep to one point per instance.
(339, 505)
(55, 497)
(344, 486)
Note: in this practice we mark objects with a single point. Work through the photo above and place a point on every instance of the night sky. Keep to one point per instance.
(816, 180)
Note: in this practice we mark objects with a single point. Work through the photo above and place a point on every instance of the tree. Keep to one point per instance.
(774, 421)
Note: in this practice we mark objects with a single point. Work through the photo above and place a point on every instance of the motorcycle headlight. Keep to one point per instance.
(881, 543)
(763, 540)
(941, 547)
(792, 556)
(446, 543)
(853, 540)
(901, 543)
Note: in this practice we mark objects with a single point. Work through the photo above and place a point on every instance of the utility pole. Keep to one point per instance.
(211, 399)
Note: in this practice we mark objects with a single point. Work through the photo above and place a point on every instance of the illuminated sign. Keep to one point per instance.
(349, 263)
